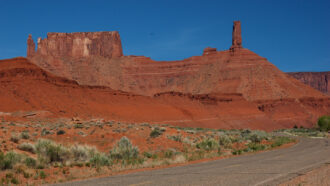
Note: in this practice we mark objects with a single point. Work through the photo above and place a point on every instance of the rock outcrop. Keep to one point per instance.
(31, 47)
(317, 80)
(77, 45)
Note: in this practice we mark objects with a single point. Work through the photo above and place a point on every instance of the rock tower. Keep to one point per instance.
(237, 37)
(31, 47)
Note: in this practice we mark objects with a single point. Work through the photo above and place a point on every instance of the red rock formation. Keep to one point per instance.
(31, 47)
(237, 37)
(237, 71)
(80, 45)
(241, 72)
(317, 80)
(209, 50)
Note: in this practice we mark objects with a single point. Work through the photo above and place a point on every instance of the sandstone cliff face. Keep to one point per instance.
(77, 45)
(317, 80)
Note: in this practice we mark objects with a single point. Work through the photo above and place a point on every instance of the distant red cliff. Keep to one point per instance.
(317, 80)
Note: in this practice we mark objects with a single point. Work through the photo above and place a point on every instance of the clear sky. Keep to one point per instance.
(292, 34)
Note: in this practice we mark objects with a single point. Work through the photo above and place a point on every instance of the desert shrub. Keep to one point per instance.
(256, 146)
(124, 150)
(14, 138)
(30, 162)
(99, 160)
(208, 144)
(44, 132)
(324, 123)
(169, 154)
(246, 133)
(26, 147)
(237, 152)
(225, 141)
(281, 140)
(25, 135)
(48, 151)
(177, 138)
(14, 181)
(257, 136)
(60, 132)
(147, 154)
(155, 133)
(8, 160)
(82, 153)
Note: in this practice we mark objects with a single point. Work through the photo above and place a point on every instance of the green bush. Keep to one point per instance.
(208, 145)
(124, 150)
(324, 123)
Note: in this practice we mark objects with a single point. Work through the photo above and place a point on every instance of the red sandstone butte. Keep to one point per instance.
(317, 80)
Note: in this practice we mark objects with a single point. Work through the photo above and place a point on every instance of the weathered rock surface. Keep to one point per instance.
(78, 45)
(317, 80)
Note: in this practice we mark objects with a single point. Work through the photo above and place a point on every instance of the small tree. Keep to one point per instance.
(324, 123)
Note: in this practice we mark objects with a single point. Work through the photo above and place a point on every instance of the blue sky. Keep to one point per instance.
(292, 34)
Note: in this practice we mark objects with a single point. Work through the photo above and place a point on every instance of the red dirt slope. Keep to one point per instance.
(26, 87)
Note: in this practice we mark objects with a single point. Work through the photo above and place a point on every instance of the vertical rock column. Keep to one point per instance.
(237, 37)
(31, 47)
